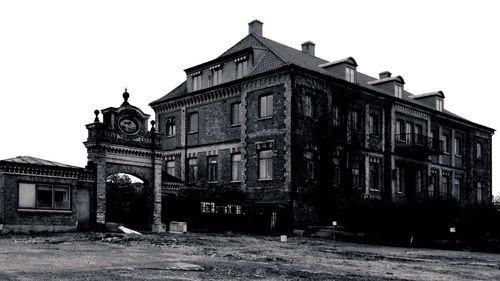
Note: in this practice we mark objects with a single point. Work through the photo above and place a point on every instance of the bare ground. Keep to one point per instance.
(101, 256)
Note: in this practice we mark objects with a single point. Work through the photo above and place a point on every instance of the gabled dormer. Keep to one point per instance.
(434, 100)
(343, 69)
(391, 85)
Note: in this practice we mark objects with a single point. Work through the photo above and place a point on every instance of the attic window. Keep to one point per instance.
(439, 104)
(398, 91)
(215, 77)
(241, 67)
(350, 74)
(196, 80)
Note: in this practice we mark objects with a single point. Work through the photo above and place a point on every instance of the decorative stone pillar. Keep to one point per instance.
(157, 225)
(101, 191)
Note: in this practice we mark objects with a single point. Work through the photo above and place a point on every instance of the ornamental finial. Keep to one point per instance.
(126, 95)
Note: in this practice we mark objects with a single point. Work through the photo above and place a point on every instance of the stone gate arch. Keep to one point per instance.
(122, 143)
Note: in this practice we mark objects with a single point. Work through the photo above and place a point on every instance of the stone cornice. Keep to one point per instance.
(197, 99)
(99, 148)
(41, 171)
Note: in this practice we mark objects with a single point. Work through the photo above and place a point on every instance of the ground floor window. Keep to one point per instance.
(207, 207)
(374, 174)
(43, 196)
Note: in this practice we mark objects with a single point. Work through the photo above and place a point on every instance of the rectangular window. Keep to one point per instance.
(192, 170)
(418, 181)
(44, 196)
(479, 192)
(458, 146)
(241, 67)
(266, 106)
(356, 179)
(235, 113)
(439, 104)
(335, 116)
(336, 170)
(374, 125)
(445, 185)
(236, 167)
(265, 165)
(171, 167)
(207, 207)
(350, 74)
(308, 105)
(356, 121)
(434, 182)
(398, 91)
(418, 134)
(309, 159)
(233, 209)
(457, 186)
(215, 77)
(193, 122)
(212, 168)
(374, 179)
(409, 132)
(479, 150)
(400, 130)
(400, 180)
(446, 143)
(196, 81)
(170, 130)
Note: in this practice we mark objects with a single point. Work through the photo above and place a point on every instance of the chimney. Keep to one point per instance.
(384, 74)
(308, 48)
(255, 27)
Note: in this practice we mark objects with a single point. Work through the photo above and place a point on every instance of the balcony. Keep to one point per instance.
(416, 145)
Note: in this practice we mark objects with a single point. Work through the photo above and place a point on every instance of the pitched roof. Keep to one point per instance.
(178, 91)
(37, 161)
(279, 55)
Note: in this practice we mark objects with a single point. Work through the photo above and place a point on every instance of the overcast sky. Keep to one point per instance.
(60, 60)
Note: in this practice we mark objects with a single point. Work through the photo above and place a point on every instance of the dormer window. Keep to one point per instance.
(350, 74)
(215, 77)
(241, 67)
(196, 81)
(439, 104)
(398, 91)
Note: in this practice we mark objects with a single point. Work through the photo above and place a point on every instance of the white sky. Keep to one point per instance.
(60, 60)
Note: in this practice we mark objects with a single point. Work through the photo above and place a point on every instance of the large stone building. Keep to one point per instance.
(284, 127)
(266, 137)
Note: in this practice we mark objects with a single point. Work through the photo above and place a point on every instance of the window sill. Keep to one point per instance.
(235, 182)
(264, 118)
(374, 190)
(45, 211)
(236, 125)
(458, 156)
(192, 133)
(170, 137)
(212, 182)
(265, 179)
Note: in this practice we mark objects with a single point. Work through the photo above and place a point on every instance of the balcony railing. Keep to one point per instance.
(418, 144)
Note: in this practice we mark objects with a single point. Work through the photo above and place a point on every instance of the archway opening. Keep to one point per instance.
(126, 201)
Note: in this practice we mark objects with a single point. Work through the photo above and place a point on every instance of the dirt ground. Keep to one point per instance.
(104, 256)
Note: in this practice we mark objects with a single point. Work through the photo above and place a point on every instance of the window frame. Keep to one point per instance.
(233, 115)
(458, 146)
(308, 105)
(266, 106)
(36, 188)
(398, 91)
(446, 143)
(212, 168)
(374, 175)
(190, 125)
(350, 74)
(192, 170)
(241, 67)
(170, 127)
(265, 157)
(374, 125)
(235, 165)
(170, 168)
(479, 150)
(309, 159)
(196, 81)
